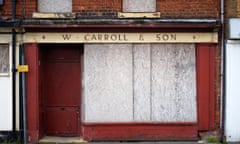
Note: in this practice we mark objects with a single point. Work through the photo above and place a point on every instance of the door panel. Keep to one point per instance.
(63, 83)
(62, 89)
(62, 121)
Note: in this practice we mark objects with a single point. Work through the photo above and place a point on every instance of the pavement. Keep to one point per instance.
(143, 143)
(77, 140)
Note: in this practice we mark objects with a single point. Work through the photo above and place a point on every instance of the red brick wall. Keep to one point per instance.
(188, 8)
(31, 6)
(109, 8)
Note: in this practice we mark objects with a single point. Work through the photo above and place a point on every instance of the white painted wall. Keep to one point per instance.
(5, 104)
(232, 117)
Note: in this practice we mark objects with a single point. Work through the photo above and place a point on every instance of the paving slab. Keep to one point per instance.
(167, 142)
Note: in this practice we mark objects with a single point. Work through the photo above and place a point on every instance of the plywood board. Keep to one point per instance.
(141, 72)
(173, 83)
(108, 90)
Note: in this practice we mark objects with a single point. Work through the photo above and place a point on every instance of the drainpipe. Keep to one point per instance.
(223, 72)
(23, 96)
(13, 67)
(14, 78)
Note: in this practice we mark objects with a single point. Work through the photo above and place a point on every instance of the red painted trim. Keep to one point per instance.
(212, 87)
(206, 86)
(137, 123)
(33, 136)
(31, 51)
(139, 131)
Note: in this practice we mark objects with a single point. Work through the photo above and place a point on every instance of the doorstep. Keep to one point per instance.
(61, 140)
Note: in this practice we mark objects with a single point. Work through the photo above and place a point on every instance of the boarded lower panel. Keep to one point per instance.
(108, 90)
(139, 131)
(173, 83)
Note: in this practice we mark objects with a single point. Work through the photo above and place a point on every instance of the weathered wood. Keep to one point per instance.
(173, 83)
(141, 72)
(108, 82)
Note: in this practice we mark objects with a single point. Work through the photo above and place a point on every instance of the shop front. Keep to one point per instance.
(121, 82)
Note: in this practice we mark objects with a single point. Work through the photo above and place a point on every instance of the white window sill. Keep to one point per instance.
(53, 15)
(4, 74)
(139, 15)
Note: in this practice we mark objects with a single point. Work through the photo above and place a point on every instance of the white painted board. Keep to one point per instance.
(232, 117)
(5, 104)
(141, 82)
(174, 83)
(108, 95)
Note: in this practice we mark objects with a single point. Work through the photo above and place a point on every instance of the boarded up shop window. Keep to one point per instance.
(140, 82)
(54, 6)
(4, 59)
(139, 5)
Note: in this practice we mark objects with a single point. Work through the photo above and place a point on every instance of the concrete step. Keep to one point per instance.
(61, 140)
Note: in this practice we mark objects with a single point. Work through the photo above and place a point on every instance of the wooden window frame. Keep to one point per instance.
(6, 74)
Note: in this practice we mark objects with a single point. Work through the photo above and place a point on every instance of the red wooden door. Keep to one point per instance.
(62, 90)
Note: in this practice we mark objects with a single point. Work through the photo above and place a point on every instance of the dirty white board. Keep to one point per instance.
(5, 90)
(232, 118)
(173, 83)
(141, 83)
(108, 90)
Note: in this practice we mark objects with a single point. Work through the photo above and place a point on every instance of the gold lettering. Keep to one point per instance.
(141, 37)
(173, 37)
(125, 38)
(94, 37)
(106, 37)
(99, 36)
(158, 37)
(66, 36)
(165, 37)
(114, 37)
(86, 37)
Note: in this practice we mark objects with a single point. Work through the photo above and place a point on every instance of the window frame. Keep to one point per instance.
(6, 74)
